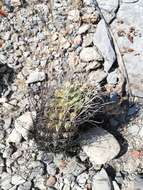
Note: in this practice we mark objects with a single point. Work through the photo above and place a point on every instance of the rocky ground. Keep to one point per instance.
(67, 40)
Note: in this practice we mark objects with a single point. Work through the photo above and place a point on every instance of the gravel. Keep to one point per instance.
(33, 49)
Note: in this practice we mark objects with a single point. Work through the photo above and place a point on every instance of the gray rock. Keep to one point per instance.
(112, 78)
(108, 8)
(1, 165)
(96, 77)
(74, 168)
(92, 66)
(90, 54)
(51, 169)
(130, 1)
(37, 168)
(84, 28)
(66, 187)
(87, 40)
(103, 42)
(101, 181)
(83, 156)
(45, 157)
(23, 124)
(115, 185)
(133, 129)
(82, 179)
(132, 40)
(74, 15)
(140, 133)
(17, 180)
(7, 152)
(69, 178)
(138, 182)
(2, 135)
(7, 123)
(39, 182)
(5, 181)
(77, 187)
(88, 2)
(36, 76)
(99, 145)
(25, 186)
(14, 137)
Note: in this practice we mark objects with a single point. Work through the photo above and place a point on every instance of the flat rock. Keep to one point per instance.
(132, 16)
(90, 54)
(99, 145)
(101, 181)
(103, 42)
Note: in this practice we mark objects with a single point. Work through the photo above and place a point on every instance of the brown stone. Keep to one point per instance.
(51, 181)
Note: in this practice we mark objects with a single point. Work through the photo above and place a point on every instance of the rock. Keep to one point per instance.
(112, 78)
(101, 181)
(138, 182)
(84, 28)
(7, 152)
(62, 164)
(66, 187)
(24, 124)
(36, 76)
(83, 156)
(82, 179)
(37, 168)
(77, 41)
(133, 129)
(5, 181)
(25, 186)
(40, 183)
(103, 42)
(92, 66)
(74, 15)
(115, 185)
(108, 8)
(74, 168)
(88, 2)
(87, 40)
(1, 163)
(96, 77)
(130, 1)
(45, 157)
(99, 145)
(90, 54)
(7, 123)
(77, 187)
(14, 137)
(51, 181)
(51, 169)
(17, 180)
(131, 42)
(69, 178)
